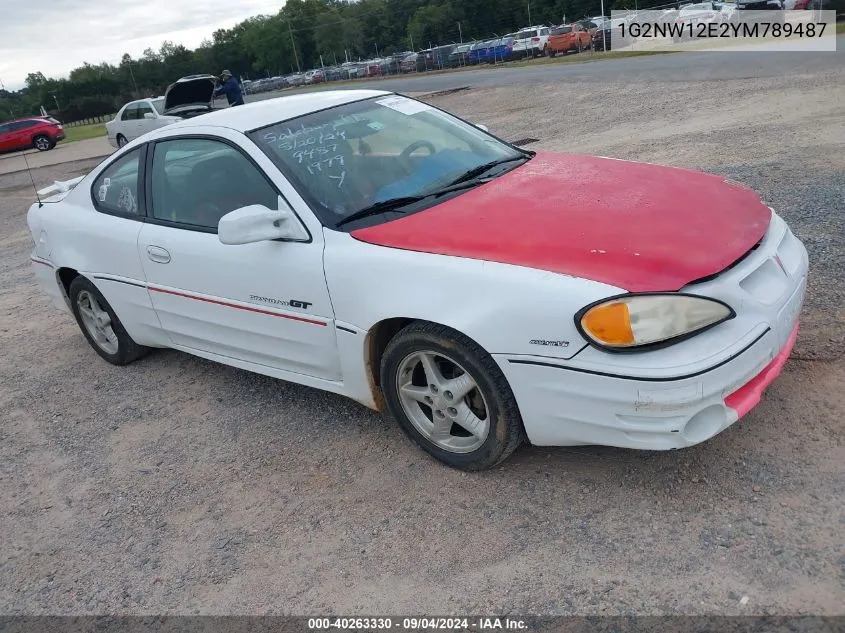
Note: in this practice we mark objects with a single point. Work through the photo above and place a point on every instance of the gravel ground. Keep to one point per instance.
(177, 485)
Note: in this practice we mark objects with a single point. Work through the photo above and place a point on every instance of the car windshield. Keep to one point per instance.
(526, 34)
(158, 104)
(345, 159)
(561, 30)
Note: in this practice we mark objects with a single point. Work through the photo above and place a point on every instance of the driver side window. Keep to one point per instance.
(196, 181)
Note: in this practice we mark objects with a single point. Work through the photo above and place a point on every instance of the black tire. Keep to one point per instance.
(42, 143)
(506, 431)
(552, 53)
(121, 140)
(127, 349)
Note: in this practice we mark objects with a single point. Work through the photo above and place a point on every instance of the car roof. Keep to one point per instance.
(26, 118)
(269, 111)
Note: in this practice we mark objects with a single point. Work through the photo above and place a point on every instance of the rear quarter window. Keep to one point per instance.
(116, 191)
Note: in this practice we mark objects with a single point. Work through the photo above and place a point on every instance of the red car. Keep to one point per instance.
(42, 133)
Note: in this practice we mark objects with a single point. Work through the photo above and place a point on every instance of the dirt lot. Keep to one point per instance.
(177, 485)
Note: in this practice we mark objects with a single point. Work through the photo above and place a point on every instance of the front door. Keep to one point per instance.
(264, 303)
(129, 122)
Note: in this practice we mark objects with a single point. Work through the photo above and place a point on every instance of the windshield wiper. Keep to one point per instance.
(475, 172)
(391, 204)
(461, 182)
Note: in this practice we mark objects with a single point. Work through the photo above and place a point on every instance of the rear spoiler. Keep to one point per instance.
(60, 186)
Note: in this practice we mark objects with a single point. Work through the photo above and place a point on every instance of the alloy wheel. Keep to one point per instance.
(97, 322)
(443, 401)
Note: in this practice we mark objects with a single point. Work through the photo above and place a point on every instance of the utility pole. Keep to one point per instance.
(293, 43)
(529, 13)
(58, 107)
(603, 30)
(131, 74)
(460, 33)
(376, 45)
(412, 42)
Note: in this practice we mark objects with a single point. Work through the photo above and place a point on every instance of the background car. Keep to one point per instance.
(530, 42)
(459, 56)
(478, 52)
(185, 98)
(42, 133)
(692, 15)
(408, 63)
(502, 50)
(135, 119)
(610, 35)
(568, 38)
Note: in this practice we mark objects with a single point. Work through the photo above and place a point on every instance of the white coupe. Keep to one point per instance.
(185, 98)
(372, 245)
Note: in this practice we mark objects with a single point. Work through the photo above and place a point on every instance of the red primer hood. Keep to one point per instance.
(636, 226)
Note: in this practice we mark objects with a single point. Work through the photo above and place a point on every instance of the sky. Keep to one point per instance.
(56, 36)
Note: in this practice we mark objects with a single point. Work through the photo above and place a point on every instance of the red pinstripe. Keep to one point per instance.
(232, 305)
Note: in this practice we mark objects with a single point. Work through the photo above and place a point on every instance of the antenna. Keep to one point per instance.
(32, 180)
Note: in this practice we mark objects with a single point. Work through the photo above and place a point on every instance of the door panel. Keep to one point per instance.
(129, 122)
(265, 303)
(144, 124)
(5, 138)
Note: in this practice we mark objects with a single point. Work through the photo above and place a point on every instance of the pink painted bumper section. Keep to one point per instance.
(748, 396)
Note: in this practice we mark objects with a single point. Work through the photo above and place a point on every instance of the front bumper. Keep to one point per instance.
(683, 394)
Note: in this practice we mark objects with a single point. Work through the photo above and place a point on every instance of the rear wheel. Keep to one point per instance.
(42, 143)
(121, 140)
(450, 397)
(100, 325)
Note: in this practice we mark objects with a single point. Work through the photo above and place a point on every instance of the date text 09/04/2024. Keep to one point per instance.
(416, 624)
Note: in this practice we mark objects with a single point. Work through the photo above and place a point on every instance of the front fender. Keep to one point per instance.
(506, 309)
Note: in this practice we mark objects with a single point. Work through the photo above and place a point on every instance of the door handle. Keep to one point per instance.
(158, 254)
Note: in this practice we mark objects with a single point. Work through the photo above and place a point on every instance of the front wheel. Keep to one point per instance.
(42, 143)
(100, 324)
(450, 397)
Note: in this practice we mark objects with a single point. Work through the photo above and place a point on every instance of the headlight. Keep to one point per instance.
(637, 321)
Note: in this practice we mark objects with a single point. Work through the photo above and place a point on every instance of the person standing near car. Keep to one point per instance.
(231, 88)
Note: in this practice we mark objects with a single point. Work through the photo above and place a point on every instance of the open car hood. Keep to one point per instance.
(190, 93)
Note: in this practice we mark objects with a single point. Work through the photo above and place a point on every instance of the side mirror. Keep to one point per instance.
(482, 127)
(257, 223)
(149, 115)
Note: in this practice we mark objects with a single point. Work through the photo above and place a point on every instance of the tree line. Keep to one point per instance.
(303, 34)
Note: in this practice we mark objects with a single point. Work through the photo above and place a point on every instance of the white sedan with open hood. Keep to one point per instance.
(371, 245)
(185, 98)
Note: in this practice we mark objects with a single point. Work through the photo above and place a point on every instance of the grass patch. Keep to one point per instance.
(83, 132)
(840, 28)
